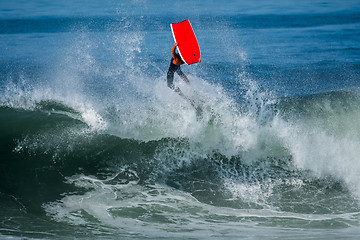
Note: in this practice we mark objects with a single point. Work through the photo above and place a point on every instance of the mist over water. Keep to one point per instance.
(95, 145)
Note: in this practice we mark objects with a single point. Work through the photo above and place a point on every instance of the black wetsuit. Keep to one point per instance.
(170, 75)
(170, 79)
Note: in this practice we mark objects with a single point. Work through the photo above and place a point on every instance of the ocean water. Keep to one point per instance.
(94, 145)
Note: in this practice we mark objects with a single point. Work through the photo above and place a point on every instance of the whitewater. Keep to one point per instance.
(94, 145)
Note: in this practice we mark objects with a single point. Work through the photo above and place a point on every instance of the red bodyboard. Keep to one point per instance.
(188, 47)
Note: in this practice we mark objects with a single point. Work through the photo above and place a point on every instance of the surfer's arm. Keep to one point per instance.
(176, 56)
(173, 50)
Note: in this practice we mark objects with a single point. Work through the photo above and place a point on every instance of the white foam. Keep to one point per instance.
(324, 154)
(132, 208)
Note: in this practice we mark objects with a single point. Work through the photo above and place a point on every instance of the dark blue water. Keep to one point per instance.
(94, 145)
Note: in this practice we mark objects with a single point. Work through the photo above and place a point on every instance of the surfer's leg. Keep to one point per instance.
(178, 91)
(170, 76)
(182, 75)
(179, 72)
(170, 79)
(170, 82)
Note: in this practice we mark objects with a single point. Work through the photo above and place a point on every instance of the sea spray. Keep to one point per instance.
(251, 130)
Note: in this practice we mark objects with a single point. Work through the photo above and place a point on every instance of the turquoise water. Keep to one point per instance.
(94, 145)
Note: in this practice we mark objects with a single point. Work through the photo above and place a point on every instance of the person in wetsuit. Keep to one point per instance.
(175, 63)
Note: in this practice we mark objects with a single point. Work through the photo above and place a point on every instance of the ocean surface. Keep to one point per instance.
(94, 145)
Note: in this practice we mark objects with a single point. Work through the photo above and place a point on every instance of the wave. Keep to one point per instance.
(109, 142)
(83, 175)
(155, 161)
(317, 133)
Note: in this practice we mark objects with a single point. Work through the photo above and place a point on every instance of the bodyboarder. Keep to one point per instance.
(175, 63)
